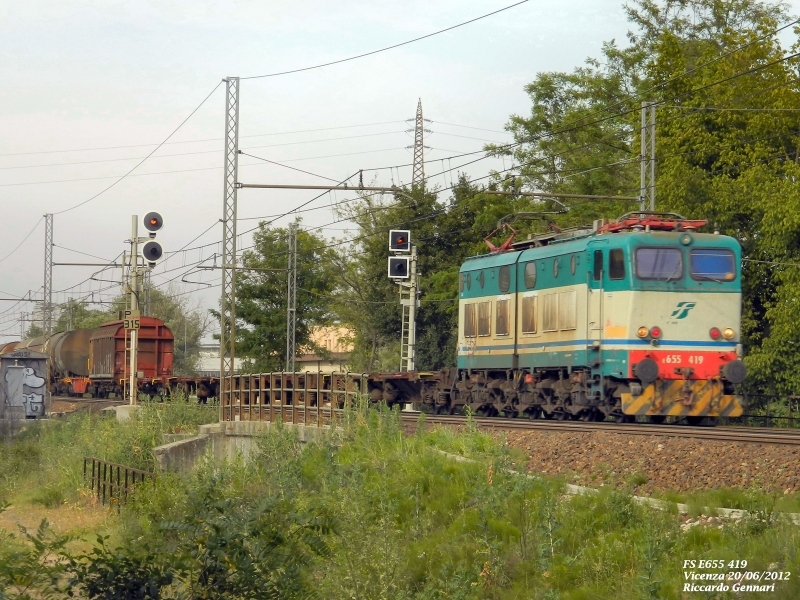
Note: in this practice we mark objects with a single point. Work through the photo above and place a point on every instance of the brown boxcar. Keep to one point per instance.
(108, 359)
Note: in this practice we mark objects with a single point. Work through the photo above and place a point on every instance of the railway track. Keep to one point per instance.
(760, 435)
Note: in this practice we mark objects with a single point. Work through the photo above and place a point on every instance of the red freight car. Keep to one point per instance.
(109, 362)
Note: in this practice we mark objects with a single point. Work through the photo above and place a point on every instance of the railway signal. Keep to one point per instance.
(403, 271)
(400, 240)
(399, 267)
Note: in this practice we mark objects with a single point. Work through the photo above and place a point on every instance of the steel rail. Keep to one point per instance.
(729, 434)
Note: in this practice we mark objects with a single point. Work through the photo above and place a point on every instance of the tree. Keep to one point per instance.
(261, 295)
(368, 301)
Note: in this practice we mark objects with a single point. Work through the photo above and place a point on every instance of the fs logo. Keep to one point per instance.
(682, 310)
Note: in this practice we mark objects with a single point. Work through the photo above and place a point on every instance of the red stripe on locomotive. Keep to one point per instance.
(672, 363)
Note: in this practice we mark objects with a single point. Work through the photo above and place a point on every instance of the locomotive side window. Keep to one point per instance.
(530, 275)
(481, 279)
(597, 266)
(469, 320)
(568, 310)
(550, 313)
(716, 264)
(573, 263)
(555, 267)
(469, 281)
(461, 282)
(529, 314)
(504, 280)
(501, 322)
(484, 318)
(664, 264)
(616, 264)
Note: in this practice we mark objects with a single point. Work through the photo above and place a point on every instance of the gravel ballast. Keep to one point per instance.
(659, 462)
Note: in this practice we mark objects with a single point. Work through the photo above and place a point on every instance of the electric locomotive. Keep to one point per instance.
(639, 316)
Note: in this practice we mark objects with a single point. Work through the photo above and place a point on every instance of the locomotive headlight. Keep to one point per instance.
(714, 332)
(642, 332)
(728, 333)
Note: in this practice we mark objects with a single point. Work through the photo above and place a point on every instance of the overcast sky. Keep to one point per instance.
(91, 86)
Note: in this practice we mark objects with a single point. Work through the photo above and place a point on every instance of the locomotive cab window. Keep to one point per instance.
(662, 263)
(530, 275)
(504, 280)
(461, 282)
(469, 321)
(616, 264)
(715, 264)
(597, 266)
(501, 321)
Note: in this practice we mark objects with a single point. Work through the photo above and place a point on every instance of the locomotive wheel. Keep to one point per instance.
(656, 419)
(534, 413)
(561, 415)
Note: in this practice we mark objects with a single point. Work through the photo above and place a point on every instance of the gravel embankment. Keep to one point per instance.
(657, 462)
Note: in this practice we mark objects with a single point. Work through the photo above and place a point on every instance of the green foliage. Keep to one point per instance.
(367, 300)
(369, 512)
(107, 575)
(32, 566)
(261, 296)
(58, 448)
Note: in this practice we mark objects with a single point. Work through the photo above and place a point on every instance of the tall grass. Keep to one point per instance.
(368, 512)
(46, 459)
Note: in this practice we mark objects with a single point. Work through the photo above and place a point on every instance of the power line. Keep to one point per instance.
(23, 240)
(174, 131)
(272, 162)
(336, 62)
(203, 140)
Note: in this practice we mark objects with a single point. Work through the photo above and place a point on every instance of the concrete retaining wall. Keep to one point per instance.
(225, 441)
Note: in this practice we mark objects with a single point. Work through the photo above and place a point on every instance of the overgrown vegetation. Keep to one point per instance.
(44, 463)
(368, 512)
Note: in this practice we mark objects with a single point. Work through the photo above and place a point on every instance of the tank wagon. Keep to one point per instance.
(639, 316)
(95, 361)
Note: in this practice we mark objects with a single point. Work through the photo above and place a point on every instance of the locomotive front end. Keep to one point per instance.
(684, 307)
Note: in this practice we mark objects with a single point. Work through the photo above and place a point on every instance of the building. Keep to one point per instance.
(208, 365)
(337, 341)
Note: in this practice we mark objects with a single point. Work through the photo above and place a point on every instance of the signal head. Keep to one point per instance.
(153, 222)
(152, 252)
(399, 267)
(400, 240)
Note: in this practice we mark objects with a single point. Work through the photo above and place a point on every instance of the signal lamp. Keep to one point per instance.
(655, 332)
(153, 222)
(152, 252)
(714, 332)
(400, 240)
(642, 332)
(728, 333)
(399, 267)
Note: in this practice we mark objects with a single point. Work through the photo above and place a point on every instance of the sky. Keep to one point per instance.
(91, 87)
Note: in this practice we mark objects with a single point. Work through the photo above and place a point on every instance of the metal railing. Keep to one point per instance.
(111, 482)
(302, 398)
